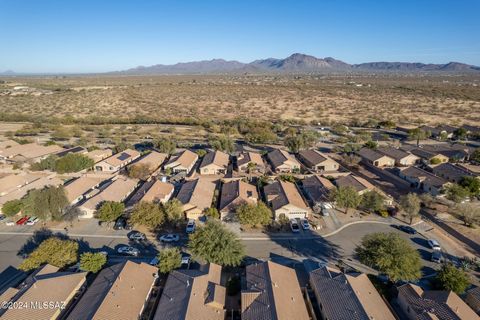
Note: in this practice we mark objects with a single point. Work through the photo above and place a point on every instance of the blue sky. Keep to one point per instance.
(106, 35)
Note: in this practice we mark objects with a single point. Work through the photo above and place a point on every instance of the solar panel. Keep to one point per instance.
(123, 156)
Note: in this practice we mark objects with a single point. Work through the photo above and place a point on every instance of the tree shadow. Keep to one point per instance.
(36, 239)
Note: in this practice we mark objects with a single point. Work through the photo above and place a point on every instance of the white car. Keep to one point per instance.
(305, 224)
(186, 258)
(9, 223)
(32, 221)
(326, 207)
(128, 250)
(434, 244)
(138, 236)
(190, 226)
(294, 226)
(170, 237)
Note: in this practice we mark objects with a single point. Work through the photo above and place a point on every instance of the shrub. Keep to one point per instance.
(54, 251)
(92, 262)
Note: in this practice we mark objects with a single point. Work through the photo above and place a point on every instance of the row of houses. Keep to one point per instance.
(268, 291)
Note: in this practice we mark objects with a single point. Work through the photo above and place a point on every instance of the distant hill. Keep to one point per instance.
(296, 63)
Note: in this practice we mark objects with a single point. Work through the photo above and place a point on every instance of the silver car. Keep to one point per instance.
(131, 251)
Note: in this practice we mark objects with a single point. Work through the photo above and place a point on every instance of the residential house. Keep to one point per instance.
(15, 181)
(45, 294)
(233, 194)
(73, 150)
(361, 185)
(31, 152)
(272, 292)
(450, 172)
(317, 161)
(159, 192)
(375, 158)
(244, 160)
(117, 191)
(182, 162)
(283, 162)
(285, 199)
(472, 298)
(428, 156)
(214, 162)
(317, 189)
(196, 196)
(440, 132)
(120, 291)
(77, 189)
(423, 180)
(98, 155)
(117, 161)
(419, 304)
(401, 157)
(153, 160)
(455, 152)
(193, 295)
(342, 296)
(6, 144)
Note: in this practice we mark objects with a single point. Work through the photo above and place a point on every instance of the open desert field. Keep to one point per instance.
(323, 99)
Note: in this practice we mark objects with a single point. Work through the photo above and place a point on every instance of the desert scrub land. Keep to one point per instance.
(329, 99)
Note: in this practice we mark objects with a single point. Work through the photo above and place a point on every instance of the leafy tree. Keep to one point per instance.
(12, 207)
(212, 213)
(120, 146)
(54, 251)
(222, 143)
(173, 210)
(460, 133)
(475, 155)
(287, 178)
(261, 134)
(47, 203)
(92, 261)
(435, 160)
(147, 214)
(452, 279)
(390, 254)
(215, 243)
(293, 143)
(110, 211)
(472, 184)
(201, 153)
(418, 134)
(61, 133)
(469, 213)
(457, 193)
(410, 204)
(166, 145)
(371, 145)
(372, 201)
(254, 214)
(73, 162)
(347, 198)
(139, 171)
(296, 142)
(169, 259)
(49, 163)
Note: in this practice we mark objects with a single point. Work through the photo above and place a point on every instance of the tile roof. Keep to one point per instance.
(217, 157)
(272, 292)
(424, 176)
(118, 292)
(158, 191)
(370, 154)
(425, 154)
(99, 154)
(193, 295)
(450, 171)
(185, 159)
(442, 304)
(247, 157)
(12, 182)
(347, 296)
(80, 186)
(285, 193)
(46, 285)
(317, 187)
(397, 154)
(120, 158)
(354, 181)
(153, 159)
(198, 193)
(118, 190)
(45, 180)
(6, 144)
(30, 150)
(314, 157)
(278, 157)
(237, 191)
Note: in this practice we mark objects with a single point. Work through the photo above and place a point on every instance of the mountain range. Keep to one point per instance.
(296, 63)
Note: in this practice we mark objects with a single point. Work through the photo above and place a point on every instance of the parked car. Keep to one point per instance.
(128, 251)
(190, 226)
(2, 217)
(186, 258)
(32, 221)
(305, 224)
(136, 236)
(294, 226)
(22, 221)
(154, 261)
(437, 256)
(407, 229)
(170, 237)
(121, 224)
(326, 207)
(432, 243)
(9, 223)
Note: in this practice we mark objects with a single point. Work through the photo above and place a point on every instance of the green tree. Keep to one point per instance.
(254, 214)
(453, 279)
(347, 198)
(475, 155)
(457, 193)
(460, 133)
(139, 171)
(12, 207)
(147, 214)
(169, 259)
(92, 261)
(469, 213)
(201, 153)
(390, 254)
(73, 162)
(418, 134)
(222, 143)
(410, 204)
(212, 213)
(173, 210)
(215, 243)
(372, 201)
(54, 251)
(61, 133)
(110, 211)
(47, 203)
(293, 143)
(166, 145)
(472, 184)
(49, 163)
(371, 145)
